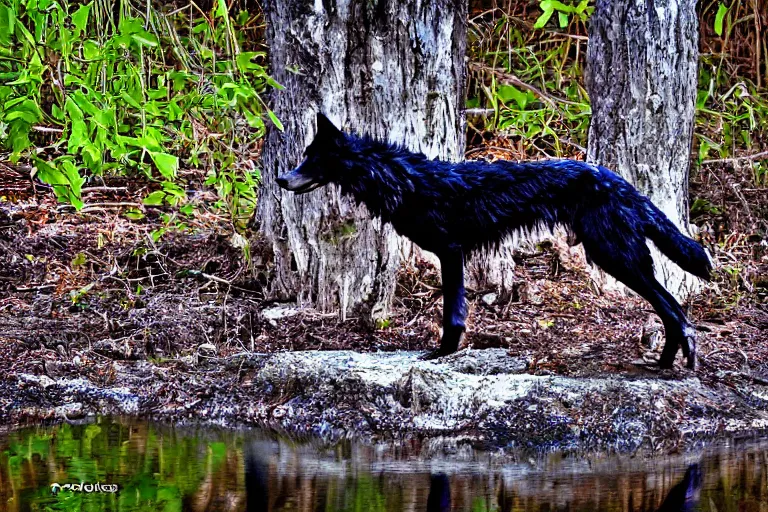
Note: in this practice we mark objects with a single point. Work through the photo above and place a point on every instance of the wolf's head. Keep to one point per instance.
(322, 159)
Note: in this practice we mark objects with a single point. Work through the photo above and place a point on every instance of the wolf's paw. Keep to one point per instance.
(687, 342)
(689, 347)
(436, 354)
(667, 359)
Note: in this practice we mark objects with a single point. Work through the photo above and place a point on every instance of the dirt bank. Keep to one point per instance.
(101, 314)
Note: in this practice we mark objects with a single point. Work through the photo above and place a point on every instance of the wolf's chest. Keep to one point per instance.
(421, 225)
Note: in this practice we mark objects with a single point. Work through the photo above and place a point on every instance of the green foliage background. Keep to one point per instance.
(166, 94)
(109, 88)
(528, 64)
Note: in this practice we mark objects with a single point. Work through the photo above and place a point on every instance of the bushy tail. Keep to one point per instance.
(687, 253)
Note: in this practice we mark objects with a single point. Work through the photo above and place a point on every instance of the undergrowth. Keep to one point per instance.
(525, 82)
(527, 78)
(95, 89)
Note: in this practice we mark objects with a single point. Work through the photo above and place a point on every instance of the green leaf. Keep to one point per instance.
(175, 112)
(511, 93)
(145, 39)
(72, 172)
(85, 104)
(719, 17)
(79, 260)
(36, 67)
(156, 234)
(133, 214)
(78, 295)
(201, 27)
(80, 17)
(129, 26)
(152, 109)
(244, 62)
(56, 112)
(275, 120)
(563, 19)
(703, 150)
(91, 156)
(24, 115)
(19, 137)
(166, 164)
(559, 6)
(49, 174)
(73, 110)
(26, 33)
(65, 186)
(174, 194)
(77, 125)
(221, 9)
(91, 50)
(7, 22)
(544, 18)
(129, 141)
(27, 111)
(272, 83)
(129, 99)
(155, 198)
(14, 101)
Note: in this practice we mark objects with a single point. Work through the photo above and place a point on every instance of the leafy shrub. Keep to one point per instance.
(101, 87)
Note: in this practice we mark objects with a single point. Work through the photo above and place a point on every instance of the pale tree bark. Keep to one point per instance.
(391, 68)
(642, 81)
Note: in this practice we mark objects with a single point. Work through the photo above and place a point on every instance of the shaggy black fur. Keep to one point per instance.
(452, 209)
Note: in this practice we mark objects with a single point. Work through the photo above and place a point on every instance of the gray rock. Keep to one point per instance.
(487, 393)
(490, 298)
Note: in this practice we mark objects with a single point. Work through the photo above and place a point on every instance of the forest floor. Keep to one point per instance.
(100, 302)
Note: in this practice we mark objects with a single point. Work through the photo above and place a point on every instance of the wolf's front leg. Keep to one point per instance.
(454, 305)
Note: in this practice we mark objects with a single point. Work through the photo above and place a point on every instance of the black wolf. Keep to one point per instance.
(451, 209)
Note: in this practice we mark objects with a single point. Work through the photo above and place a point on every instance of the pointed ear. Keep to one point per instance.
(328, 131)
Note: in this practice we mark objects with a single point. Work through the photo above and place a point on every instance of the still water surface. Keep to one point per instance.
(143, 466)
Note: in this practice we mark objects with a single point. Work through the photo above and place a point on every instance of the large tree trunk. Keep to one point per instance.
(642, 80)
(391, 68)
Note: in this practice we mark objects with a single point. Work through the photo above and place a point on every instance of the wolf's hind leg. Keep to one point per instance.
(454, 305)
(637, 273)
(681, 332)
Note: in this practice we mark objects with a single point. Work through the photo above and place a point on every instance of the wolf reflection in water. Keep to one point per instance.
(683, 497)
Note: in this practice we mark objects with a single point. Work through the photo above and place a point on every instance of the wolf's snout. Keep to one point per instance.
(298, 182)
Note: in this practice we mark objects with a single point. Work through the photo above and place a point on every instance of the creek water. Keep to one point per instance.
(125, 465)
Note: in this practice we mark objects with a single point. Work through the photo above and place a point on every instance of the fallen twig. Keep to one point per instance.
(220, 280)
(736, 159)
(503, 76)
(47, 129)
(103, 189)
(483, 112)
(34, 288)
(100, 206)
